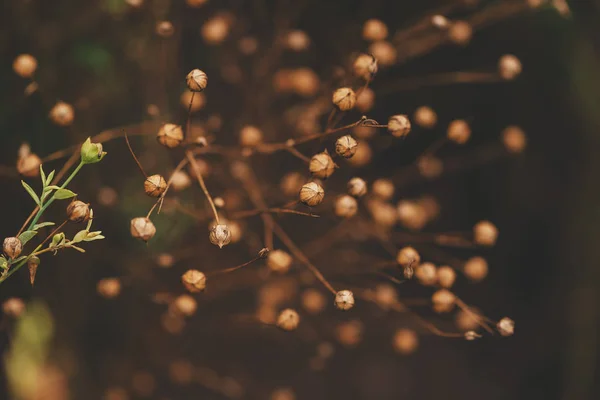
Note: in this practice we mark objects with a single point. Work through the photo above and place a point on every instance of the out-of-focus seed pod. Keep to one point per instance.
(194, 281)
(430, 166)
(109, 287)
(297, 40)
(220, 235)
(13, 307)
(196, 3)
(425, 117)
(384, 52)
(345, 206)
(12, 247)
(485, 233)
(365, 66)
(446, 276)
(215, 30)
(312, 194)
(405, 341)
(476, 268)
(25, 65)
(155, 185)
(344, 300)
(291, 183)
(165, 29)
(28, 165)
(408, 257)
(288, 320)
(196, 80)
(198, 102)
(459, 131)
(426, 274)
(349, 333)
(346, 146)
(472, 335)
(279, 261)
(399, 125)
(185, 305)
(250, 136)
(460, 33)
(283, 394)
(365, 99)
(62, 114)
(357, 187)
(313, 301)
(411, 215)
(305, 82)
(443, 301)
(385, 295)
(180, 181)
(374, 29)
(344, 98)
(514, 139)
(384, 214)
(321, 165)
(506, 326)
(383, 189)
(466, 320)
(509, 67)
(363, 155)
(440, 22)
(142, 228)
(170, 135)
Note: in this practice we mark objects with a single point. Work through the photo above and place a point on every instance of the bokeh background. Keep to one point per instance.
(544, 274)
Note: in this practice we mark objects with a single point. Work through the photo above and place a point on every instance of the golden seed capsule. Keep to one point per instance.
(411, 215)
(291, 183)
(349, 333)
(180, 180)
(215, 30)
(346, 146)
(12, 247)
(220, 235)
(365, 100)
(425, 117)
(312, 194)
(357, 187)
(345, 206)
(321, 165)
(476, 268)
(506, 326)
(399, 125)
(344, 98)
(25, 65)
(305, 82)
(365, 66)
(170, 135)
(185, 305)
(408, 257)
(472, 335)
(279, 261)
(142, 228)
(194, 280)
(426, 274)
(446, 276)
(459, 131)
(62, 114)
(78, 211)
(405, 341)
(196, 80)
(297, 40)
(485, 233)
(363, 155)
(288, 320)
(344, 300)
(385, 295)
(197, 103)
(383, 189)
(384, 214)
(155, 185)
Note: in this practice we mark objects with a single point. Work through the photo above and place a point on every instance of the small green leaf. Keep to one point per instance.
(42, 175)
(91, 239)
(62, 194)
(51, 187)
(57, 240)
(50, 177)
(81, 235)
(43, 224)
(3, 263)
(26, 236)
(31, 193)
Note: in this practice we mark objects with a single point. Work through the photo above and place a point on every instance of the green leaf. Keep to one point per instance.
(42, 175)
(27, 236)
(81, 235)
(62, 194)
(51, 187)
(31, 193)
(91, 239)
(41, 225)
(50, 177)
(3, 263)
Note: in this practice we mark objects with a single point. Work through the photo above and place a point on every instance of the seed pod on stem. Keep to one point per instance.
(194, 281)
(312, 194)
(357, 187)
(346, 146)
(288, 320)
(365, 66)
(12, 247)
(220, 235)
(142, 228)
(321, 165)
(345, 206)
(344, 98)
(78, 211)
(170, 135)
(155, 185)
(344, 300)
(279, 261)
(399, 125)
(196, 80)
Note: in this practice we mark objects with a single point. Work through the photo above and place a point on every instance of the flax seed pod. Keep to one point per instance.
(425, 117)
(440, 22)
(78, 211)
(288, 320)
(485, 233)
(459, 131)
(344, 98)
(405, 341)
(142, 228)
(109, 287)
(399, 125)
(279, 261)
(426, 274)
(344, 300)
(25, 65)
(196, 80)
(466, 321)
(365, 66)
(313, 301)
(250, 136)
(170, 135)
(443, 301)
(365, 100)
(194, 281)
(12, 247)
(62, 114)
(13, 307)
(514, 139)
(506, 326)
(446, 276)
(155, 185)
(312, 194)
(374, 29)
(476, 268)
(321, 165)
(408, 257)
(345, 206)
(509, 67)
(180, 181)
(460, 33)
(220, 235)
(29, 165)
(357, 187)
(346, 146)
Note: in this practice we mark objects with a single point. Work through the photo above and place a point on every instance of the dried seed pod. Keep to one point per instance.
(374, 29)
(344, 98)
(12, 247)
(313, 301)
(365, 66)
(155, 185)
(297, 40)
(142, 228)
(476, 268)
(405, 341)
(346, 146)
(446, 276)
(220, 235)
(250, 136)
(32, 264)
(196, 80)
(291, 183)
(288, 320)
(408, 257)
(164, 29)
(399, 125)
(78, 211)
(345, 206)
(312, 194)
(109, 287)
(459, 131)
(357, 187)
(13, 307)
(344, 300)
(194, 280)
(485, 233)
(384, 52)
(383, 189)
(185, 305)
(443, 301)
(279, 261)
(25, 65)
(170, 135)
(460, 33)
(349, 333)
(321, 165)
(426, 274)
(29, 165)
(62, 114)
(514, 139)
(509, 67)
(425, 117)
(506, 326)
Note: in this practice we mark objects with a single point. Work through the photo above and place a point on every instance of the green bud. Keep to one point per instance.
(58, 239)
(91, 152)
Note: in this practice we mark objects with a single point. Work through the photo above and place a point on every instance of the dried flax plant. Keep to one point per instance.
(310, 235)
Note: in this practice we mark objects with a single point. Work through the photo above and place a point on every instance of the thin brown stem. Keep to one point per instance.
(196, 168)
(133, 155)
(251, 213)
(227, 270)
